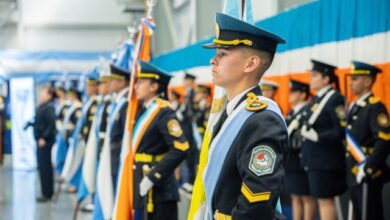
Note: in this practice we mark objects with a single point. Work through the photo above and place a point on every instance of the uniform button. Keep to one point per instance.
(306, 168)
(300, 155)
(354, 117)
(349, 126)
(134, 167)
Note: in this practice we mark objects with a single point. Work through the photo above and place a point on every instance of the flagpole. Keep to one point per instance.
(123, 206)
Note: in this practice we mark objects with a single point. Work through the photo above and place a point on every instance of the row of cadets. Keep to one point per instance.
(94, 145)
(69, 121)
(316, 166)
(110, 146)
(79, 136)
(160, 146)
(110, 140)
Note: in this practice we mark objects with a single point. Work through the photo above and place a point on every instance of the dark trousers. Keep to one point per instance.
(374, 200)
(162, 211)
(45, 169)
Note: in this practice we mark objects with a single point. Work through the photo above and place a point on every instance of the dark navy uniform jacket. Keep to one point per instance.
(240, 192)
(106, 103)
(329, 152)
(88, 120)
(117, 132)
(368, 122)
(164, 136)
(45, 122)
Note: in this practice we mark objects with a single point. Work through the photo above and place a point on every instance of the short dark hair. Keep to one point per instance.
(162, 89)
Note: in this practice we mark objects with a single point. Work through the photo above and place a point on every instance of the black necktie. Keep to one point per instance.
(219, 124)
(141, 110)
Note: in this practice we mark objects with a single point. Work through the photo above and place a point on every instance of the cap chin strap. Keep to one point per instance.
(233, 42)
(148, 75)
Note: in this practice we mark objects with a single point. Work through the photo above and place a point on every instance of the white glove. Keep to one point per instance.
(361, 174)
(310, 134)
(145, 185)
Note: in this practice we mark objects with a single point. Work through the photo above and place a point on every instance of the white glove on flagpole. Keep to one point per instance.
(145, 185)
(310, 134)
(361, 174)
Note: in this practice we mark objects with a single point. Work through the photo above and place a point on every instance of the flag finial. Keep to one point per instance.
(149, 7)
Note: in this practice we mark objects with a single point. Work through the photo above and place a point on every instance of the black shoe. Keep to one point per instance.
(88, 208)
(42, 199)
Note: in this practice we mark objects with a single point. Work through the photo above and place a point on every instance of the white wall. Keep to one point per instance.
(68, 12)
(67, 25)
(264, 8)
(71, 39)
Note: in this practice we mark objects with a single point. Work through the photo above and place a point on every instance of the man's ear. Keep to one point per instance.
(368, 81)
(253, 63)
(154, 86)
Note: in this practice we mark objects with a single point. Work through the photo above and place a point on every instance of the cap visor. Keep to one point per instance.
(214, 46)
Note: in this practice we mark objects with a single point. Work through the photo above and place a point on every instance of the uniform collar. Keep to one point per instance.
(231, 105)
(148, 103)
(323, 91)
(121, 94)
(362, 99)
(298, 107)
(107, 97)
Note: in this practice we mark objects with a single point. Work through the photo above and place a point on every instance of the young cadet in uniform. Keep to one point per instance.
(71, 115)
(71, 118)
(368, 135)
(323, 153)
(162, 146)
(244, 175)
(74, 112)
(91, 90)
(119, 82)
(104, 104)
(186, 116)
(269, 89)
(202, 107)
(297, 184)
(62, 104)
(84, 121)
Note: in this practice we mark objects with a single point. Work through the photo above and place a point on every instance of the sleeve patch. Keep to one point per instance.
(174, 128)
(382, 120)
(340, 112)
(384, 136)
(254, 197)
(181, 146)
(262, 160)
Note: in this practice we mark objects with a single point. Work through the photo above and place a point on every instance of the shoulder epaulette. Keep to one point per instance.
(162, 103)
(373, 100)
(254, 104)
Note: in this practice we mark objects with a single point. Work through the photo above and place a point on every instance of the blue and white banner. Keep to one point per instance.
(23, 111)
